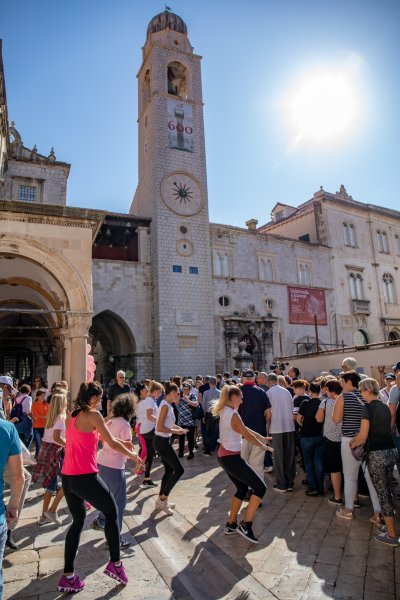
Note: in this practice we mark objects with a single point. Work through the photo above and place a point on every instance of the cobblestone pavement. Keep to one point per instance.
(305, 552)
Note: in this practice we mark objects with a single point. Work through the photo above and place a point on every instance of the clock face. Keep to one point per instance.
(181, 193)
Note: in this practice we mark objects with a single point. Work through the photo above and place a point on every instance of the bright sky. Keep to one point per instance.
(297, 95)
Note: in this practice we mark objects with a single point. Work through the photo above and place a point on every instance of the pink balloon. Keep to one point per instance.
(89, 359)
(89, 376)
(88, 348)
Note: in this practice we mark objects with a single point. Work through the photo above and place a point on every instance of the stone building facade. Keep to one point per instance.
(364, 241)
(160, 290)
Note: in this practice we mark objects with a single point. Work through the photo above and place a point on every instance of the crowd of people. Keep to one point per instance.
(342, 430)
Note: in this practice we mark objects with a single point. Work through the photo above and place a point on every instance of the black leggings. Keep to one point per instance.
(172, 464)
(148, 439)
(242, 476)
(190, 439)
(77, 489)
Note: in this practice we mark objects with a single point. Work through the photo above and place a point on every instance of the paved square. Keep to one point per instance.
(304, 551)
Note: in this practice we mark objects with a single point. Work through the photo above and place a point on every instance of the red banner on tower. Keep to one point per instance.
(304, 304)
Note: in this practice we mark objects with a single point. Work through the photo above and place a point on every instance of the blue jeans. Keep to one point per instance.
(313, 456)
(3, 538)
(115, 480)
(38, 434)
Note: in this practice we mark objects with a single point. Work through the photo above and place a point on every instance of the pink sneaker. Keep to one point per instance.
(117, 573)
(71, 586)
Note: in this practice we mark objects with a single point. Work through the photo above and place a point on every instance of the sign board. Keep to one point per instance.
(180, 125)
(186, 317)
(304, 303)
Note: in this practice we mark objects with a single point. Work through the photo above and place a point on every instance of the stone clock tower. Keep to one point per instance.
(172, 190)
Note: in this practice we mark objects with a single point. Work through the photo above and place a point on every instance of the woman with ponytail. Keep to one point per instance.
(231, 432)
(165, 427)
(85, 426)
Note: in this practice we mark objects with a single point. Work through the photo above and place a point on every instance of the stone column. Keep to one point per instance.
(78, 327)
(66, 356)
(143, 244)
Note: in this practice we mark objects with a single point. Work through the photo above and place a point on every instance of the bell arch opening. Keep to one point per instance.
(177, 79)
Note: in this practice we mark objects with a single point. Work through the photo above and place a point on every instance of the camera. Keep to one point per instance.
(278, 365)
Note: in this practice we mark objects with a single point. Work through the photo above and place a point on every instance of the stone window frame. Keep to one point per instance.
(382, 241)
(222, 299)
(389, 288)
(29, 182)
(222, 262)
(397, 243)
(349, 234)
(355, 282)
(262, 274)
(304, 265)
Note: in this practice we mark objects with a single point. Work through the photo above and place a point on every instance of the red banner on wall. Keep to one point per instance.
(304, 303)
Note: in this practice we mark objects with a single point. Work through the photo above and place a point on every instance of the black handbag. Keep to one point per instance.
(197, 412)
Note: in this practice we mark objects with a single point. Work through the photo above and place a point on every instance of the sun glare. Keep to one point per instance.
(323, 106)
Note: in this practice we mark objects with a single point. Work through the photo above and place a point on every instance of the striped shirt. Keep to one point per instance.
(352, 413)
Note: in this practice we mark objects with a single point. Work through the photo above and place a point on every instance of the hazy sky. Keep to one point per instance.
(268, 69)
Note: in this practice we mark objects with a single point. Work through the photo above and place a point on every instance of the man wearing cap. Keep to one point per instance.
(7, 389)
(396, 368)
(384, 393)
(208, 397)
(255, 411)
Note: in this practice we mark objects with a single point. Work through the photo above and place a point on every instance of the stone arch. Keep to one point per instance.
(76, 293)
(394, 334)
(113, 345)
(146, 88)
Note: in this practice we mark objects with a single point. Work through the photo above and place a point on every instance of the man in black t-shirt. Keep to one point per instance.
(116, 389)
(312, 442)
(255, 411)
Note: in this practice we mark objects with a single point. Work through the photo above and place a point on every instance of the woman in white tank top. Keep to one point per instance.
(232, 430)
(165, 427)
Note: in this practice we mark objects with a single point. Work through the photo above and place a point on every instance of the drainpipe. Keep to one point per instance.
(371, 239)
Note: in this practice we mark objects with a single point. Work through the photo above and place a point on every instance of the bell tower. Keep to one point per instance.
(172, 190)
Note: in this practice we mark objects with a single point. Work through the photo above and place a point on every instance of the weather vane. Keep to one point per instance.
(167, 8)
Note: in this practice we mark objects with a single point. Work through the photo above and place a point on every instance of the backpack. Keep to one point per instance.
(16, 410)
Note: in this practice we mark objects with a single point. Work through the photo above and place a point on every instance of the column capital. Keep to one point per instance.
(79, 324)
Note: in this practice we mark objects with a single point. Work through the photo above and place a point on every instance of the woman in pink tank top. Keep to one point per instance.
(81, 482)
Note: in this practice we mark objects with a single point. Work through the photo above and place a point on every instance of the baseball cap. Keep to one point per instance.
(396, 367)
(391, 376)
(6, 380)
(248, 373)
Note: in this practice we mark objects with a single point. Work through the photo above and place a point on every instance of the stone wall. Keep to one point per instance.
(250, 297)
(125, 289)
(50, 180)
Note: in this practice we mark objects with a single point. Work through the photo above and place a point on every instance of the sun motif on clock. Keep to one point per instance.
(182, 193)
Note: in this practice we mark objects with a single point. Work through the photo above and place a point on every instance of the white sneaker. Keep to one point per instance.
(164, 506)
(43, 520)
(52, 517)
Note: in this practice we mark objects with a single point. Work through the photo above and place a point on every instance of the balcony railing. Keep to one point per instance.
(361, 307)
